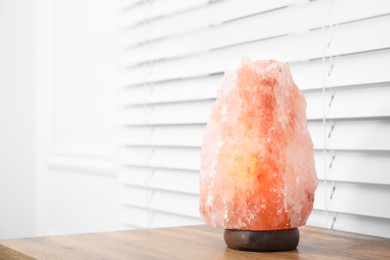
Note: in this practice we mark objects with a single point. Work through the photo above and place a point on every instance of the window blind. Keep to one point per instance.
(172, 58)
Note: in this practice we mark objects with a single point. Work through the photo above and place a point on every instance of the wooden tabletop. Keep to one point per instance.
(195, 242)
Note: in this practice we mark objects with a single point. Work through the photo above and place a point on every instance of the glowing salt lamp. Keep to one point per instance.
(257, 177)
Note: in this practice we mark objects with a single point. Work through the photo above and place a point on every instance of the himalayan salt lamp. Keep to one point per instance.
(257, 178)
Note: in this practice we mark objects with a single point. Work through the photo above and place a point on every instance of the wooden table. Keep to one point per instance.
(196, 242)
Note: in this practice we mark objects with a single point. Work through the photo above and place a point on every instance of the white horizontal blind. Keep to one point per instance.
(173, 54)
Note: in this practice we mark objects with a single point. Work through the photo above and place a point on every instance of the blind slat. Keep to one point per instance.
(161, 157)
(161, 179)
(172, 91)
(137, 15)
(175, 113)
(363, 224)
(347, 71)
(376, 97)
(190, 135)
(351, 166)
(146, 218)
(354, 198)
(162, 201)
(352, 135)
(350, 223)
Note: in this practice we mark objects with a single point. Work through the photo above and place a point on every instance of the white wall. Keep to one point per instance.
(75, 74)
(17, 199)
(57, 110)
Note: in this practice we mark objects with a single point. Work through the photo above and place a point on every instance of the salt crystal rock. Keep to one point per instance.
(257, 159)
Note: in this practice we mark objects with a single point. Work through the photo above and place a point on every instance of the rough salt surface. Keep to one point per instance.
(257, 170)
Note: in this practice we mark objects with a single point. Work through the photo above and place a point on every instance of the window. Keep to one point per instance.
(173, 56)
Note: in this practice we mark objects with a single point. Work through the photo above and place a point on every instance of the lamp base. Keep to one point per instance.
(262, 241)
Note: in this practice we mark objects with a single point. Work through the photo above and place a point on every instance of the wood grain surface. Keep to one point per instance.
(195, 242)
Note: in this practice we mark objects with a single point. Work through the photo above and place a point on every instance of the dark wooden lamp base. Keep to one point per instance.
(262, 241)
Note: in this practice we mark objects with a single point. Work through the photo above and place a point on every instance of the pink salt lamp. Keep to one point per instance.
(257, 178)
